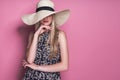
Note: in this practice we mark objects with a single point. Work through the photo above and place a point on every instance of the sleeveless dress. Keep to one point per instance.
(42, 58)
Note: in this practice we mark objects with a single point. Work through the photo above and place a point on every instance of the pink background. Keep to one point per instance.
(93, 32)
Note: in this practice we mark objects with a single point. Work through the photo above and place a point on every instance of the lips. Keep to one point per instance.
(45, 21)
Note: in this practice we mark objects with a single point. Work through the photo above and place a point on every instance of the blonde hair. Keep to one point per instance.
(53, 38)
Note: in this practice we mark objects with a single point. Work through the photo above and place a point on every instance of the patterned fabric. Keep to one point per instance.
(42, 54)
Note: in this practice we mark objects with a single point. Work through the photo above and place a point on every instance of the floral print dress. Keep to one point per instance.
(42, 58)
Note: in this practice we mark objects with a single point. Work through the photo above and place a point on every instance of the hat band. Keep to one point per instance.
(44, 8)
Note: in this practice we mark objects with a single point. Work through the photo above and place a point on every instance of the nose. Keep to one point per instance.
(46, 18)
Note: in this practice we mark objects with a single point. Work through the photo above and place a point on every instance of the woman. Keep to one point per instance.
(47, 53)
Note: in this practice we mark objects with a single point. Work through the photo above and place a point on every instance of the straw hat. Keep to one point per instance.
(44, 9)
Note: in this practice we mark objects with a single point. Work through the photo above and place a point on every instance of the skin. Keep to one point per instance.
(31, 49)
(47, 21)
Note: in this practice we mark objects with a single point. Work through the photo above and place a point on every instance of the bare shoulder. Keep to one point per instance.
(62, 35)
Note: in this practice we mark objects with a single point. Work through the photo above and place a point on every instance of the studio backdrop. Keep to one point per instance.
(93, 34)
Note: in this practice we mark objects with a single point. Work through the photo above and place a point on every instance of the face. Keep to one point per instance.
(47, 20)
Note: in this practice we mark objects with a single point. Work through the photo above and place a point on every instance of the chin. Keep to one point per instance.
(46, 24)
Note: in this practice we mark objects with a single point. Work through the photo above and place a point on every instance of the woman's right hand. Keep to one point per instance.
(42, 29)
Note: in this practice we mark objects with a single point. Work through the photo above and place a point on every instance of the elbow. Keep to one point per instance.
(65, 68)
(30, 61)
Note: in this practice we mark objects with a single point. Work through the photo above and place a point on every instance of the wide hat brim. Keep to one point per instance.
(60, 17)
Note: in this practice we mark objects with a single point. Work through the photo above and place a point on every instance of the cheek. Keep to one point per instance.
(50, 19)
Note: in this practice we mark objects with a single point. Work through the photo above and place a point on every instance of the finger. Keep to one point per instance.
(46, 27)
(26, 65)
(23, 61)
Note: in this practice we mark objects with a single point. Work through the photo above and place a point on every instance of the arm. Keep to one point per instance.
(63, 65)
(32, 45)
(31, 48)
(30, 38)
